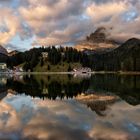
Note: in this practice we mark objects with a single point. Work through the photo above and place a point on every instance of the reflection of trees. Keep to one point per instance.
(3, 88)
(50, 90)
(68, 90)
(29, 86)
(125, 86)
(53, 86)
(54, 90)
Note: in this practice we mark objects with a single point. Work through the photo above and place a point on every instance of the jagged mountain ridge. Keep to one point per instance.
(99, 36)
(97, 41)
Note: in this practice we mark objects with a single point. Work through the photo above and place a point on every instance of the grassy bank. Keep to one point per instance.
(60, 67)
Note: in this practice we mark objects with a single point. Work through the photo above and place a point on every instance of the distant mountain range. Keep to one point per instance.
(97, 52)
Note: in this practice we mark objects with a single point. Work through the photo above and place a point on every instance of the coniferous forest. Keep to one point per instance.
(123, 58)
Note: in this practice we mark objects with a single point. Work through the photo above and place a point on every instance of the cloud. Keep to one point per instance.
(54, 26)
(54, 22)
(8, 119)
(10, 47)
(5, 1)
(8, 26)
(106, 11)
(121, 18)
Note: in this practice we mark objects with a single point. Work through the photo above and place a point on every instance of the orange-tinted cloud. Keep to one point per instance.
(54, 22)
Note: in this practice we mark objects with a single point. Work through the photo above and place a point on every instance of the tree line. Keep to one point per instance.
(31, 58)
(124, 58)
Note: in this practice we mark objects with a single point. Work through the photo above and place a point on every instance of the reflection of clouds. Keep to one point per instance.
(59, 120)
(29, 118)
(9, 122)
(53, 130)
(48, 119)
(122, 122)
(20, 102)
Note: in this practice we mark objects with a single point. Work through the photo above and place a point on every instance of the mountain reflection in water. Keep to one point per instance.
(55, 107)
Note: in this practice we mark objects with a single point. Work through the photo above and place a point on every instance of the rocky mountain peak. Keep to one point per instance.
(99, 36)
(99, 40)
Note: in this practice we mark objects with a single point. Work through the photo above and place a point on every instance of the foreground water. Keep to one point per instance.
(67, 107)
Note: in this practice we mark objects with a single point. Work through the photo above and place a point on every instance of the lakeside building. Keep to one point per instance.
(3, 67)
(45, 54)
(82, 70)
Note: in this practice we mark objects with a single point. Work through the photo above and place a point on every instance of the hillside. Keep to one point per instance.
(3, 50)
(54, 60)
(13, 53)
(126, 57)
(3, 54)
(3, 58)
(61, 67)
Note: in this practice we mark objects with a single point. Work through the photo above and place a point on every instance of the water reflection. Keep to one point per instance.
(54, 107)
(98, 103)
(125, 86)
(53, 86)
(49, 86)
(65, 119)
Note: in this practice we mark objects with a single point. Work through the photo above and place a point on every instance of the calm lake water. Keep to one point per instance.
(70, 107)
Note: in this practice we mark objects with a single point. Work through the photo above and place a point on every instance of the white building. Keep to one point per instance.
(44, 54)
(3, 66)
(82, 70)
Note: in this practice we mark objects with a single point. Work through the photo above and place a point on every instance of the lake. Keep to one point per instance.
(70, 107)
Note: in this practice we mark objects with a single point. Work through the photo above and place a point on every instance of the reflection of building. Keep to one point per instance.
(82, 70)
(18, 77)
(17, 69)
(3, 88)
(3, 66)
(3, 81)
(82, 75)
(45, 91)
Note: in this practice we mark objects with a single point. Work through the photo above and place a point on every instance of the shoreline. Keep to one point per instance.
(77, 73)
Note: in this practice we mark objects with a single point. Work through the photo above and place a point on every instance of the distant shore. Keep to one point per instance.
(77, 73)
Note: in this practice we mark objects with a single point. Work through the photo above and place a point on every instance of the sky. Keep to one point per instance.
(28, 23)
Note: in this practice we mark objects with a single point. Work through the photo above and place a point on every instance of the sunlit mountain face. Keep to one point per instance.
(28, 23)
